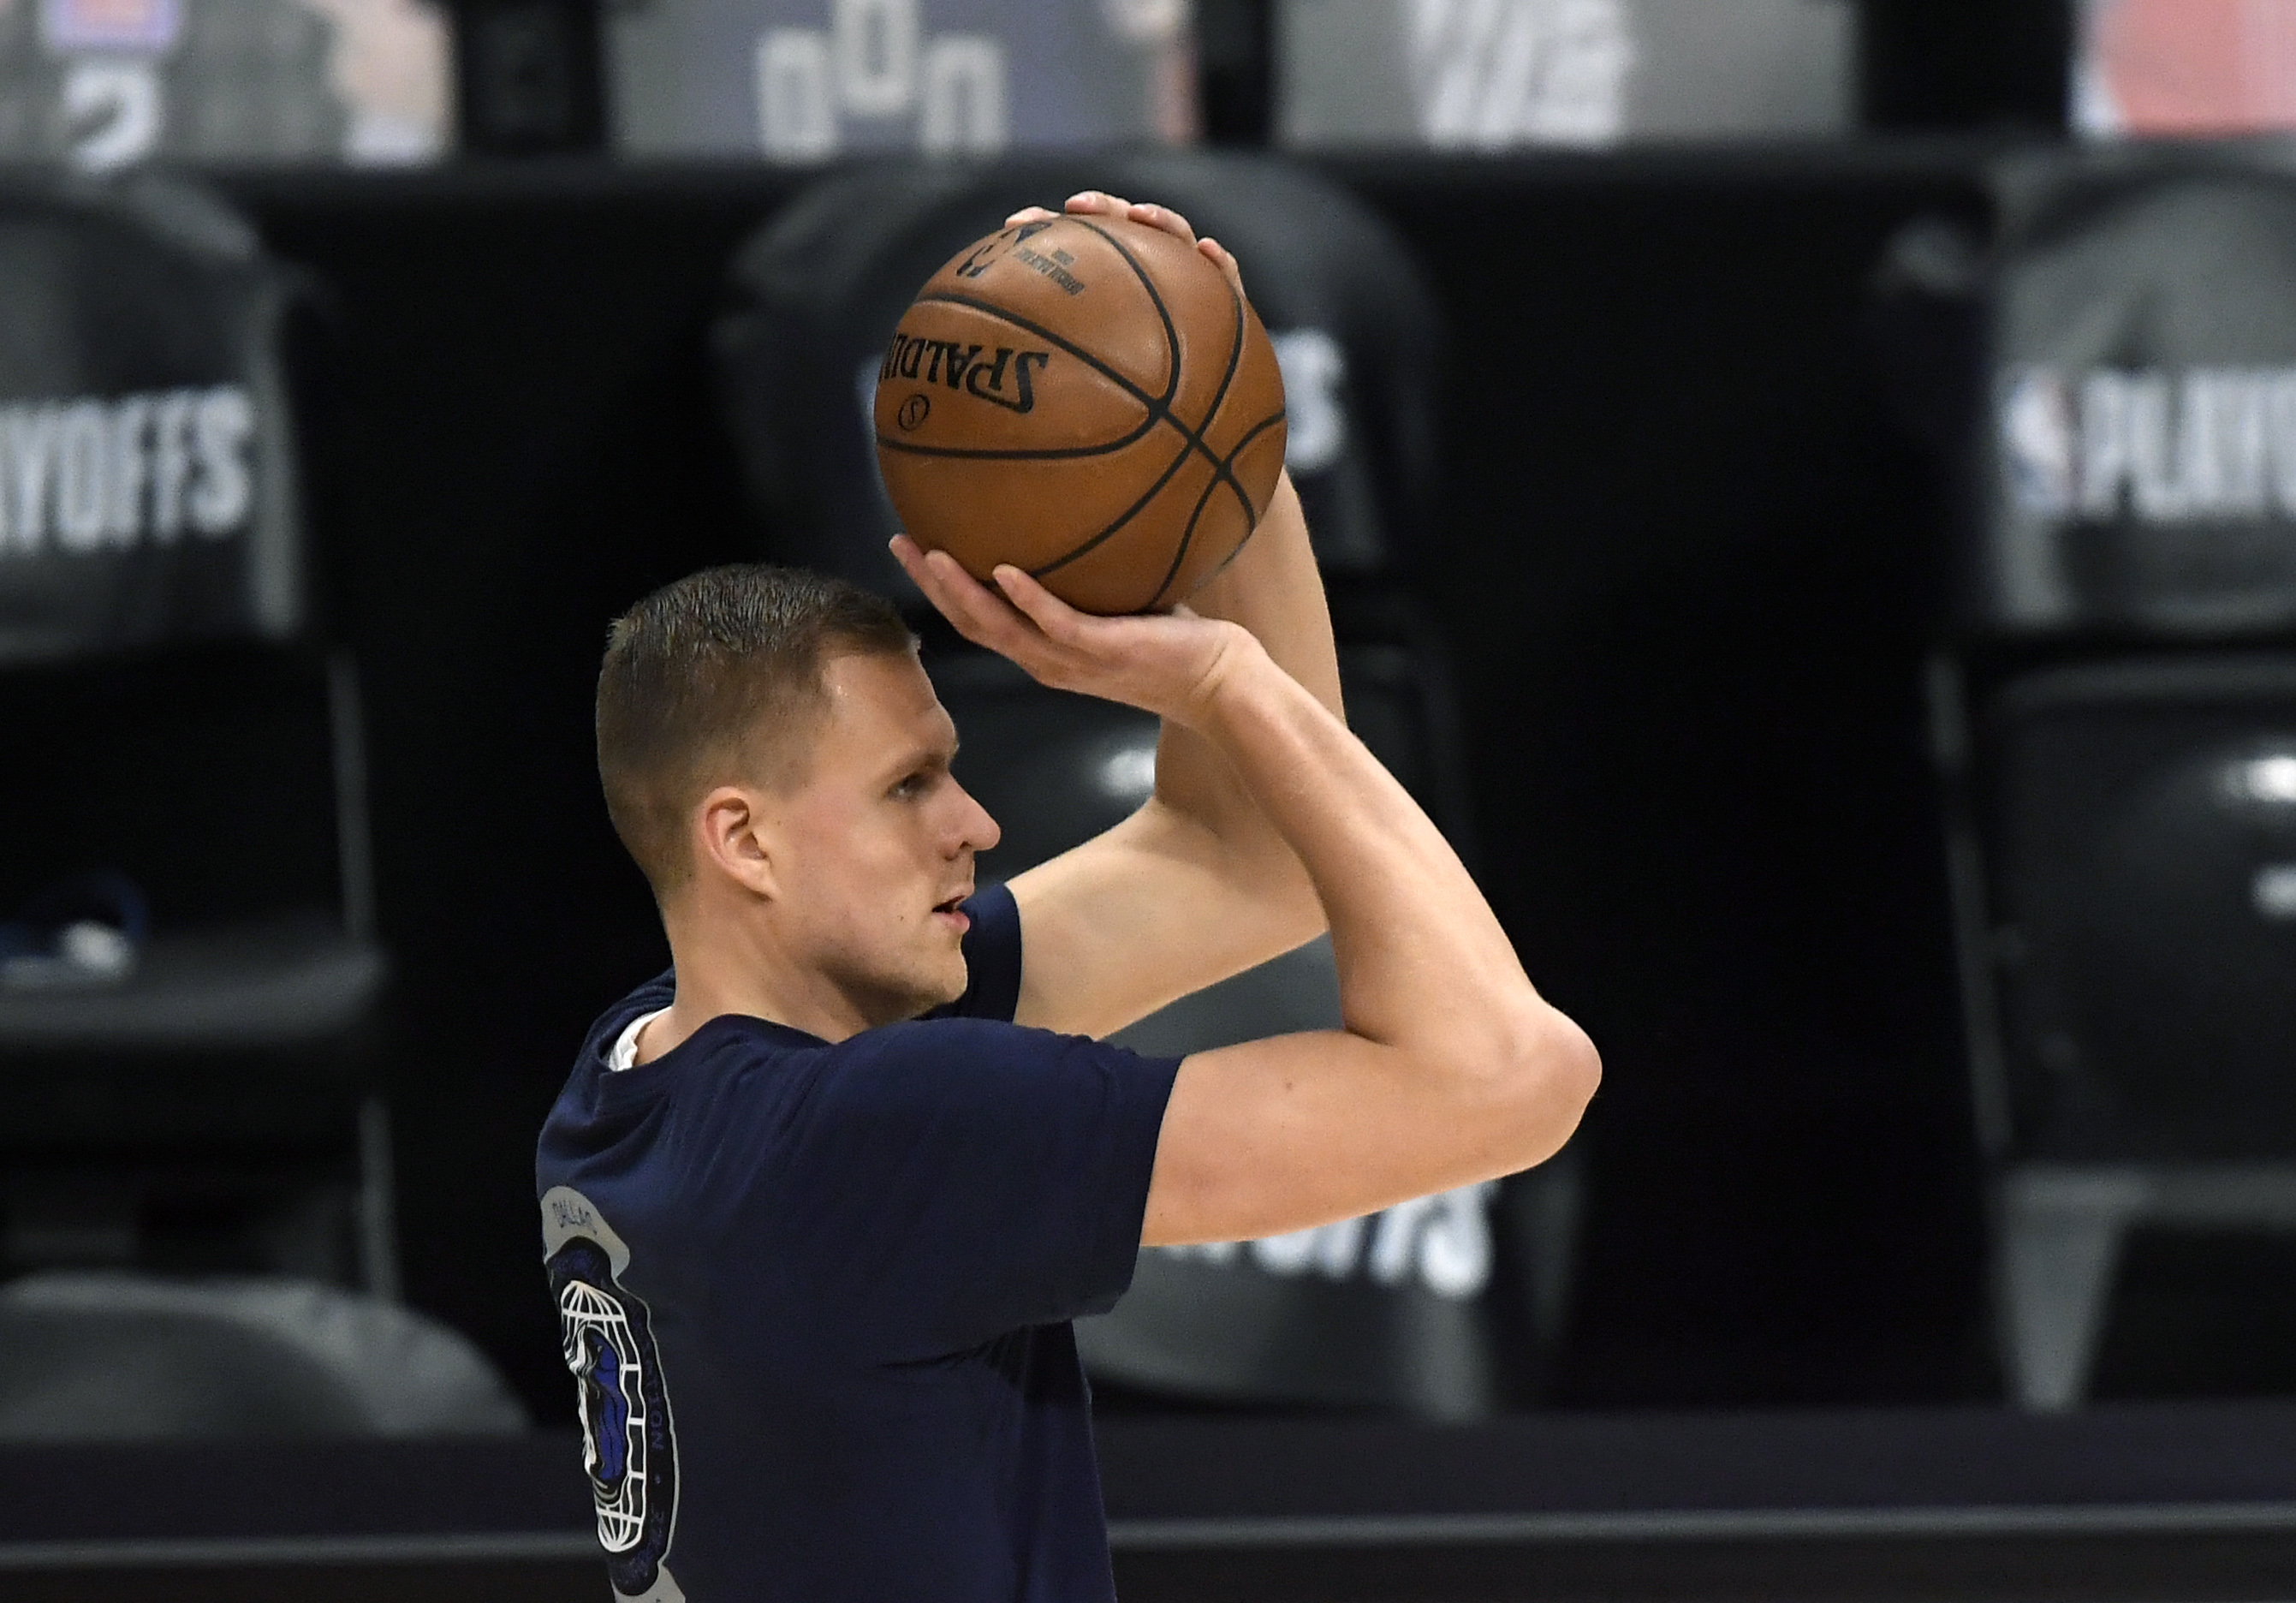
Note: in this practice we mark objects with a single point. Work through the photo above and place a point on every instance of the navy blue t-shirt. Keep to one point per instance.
(816, 1296)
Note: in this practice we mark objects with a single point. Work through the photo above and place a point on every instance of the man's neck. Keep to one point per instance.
(731, 966)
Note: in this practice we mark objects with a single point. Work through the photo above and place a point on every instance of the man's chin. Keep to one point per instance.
(918, 995)
(889, 996)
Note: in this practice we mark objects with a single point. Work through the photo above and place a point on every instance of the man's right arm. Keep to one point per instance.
(1451, 1068)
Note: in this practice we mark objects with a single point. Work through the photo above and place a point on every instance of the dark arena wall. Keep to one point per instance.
(1687, 568)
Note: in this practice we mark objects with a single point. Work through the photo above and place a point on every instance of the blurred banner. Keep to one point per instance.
(804, 80)
(1486, 75)
(147, 485)
(2143, 335)
(2185, 67)
(105, 84)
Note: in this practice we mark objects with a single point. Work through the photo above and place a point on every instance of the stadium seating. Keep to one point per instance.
(2118, 711)
(189, 976)
(108, 1356)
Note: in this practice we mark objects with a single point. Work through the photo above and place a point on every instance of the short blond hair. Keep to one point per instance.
(716, 677)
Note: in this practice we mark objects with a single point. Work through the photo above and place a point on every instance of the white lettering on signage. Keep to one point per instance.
(1314, 367)
(1491, 74)
(87, 475)
(2200, 444)
(1443, 1242)
(874, 62)
(114, 111)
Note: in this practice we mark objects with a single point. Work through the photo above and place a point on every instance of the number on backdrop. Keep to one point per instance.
(113, 109)
(797, 117)
(964, 96)
(874, 62)
(877, 44)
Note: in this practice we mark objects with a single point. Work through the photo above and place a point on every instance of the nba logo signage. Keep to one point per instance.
(2199, 444)
(2164, 495)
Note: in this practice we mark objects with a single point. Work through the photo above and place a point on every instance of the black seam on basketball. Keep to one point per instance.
(1193, 443)
(1126, 516)
(1160, 409)
(1187, 539)
(991, 310)
(1155, 298)
(1223, 476)
(1194, 433)
(1250, 434)
(1047, 453)
(1234, 359)
(1156, 407)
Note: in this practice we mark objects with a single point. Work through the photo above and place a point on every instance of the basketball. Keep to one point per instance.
(1089, 399)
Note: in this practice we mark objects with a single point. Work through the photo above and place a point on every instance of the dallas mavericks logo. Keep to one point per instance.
(628, 1446)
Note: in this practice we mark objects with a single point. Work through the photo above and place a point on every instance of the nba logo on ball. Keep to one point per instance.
(1089, 399)
(629, 1448)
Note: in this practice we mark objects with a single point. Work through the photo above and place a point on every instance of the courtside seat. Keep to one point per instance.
(122, 1357)
(191, 984)
(1400, 1311)
(2109, 381)
(296, 979)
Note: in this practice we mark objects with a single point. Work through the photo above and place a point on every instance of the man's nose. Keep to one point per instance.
(981, 833)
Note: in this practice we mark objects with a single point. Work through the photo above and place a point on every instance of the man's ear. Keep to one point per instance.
(736, 839)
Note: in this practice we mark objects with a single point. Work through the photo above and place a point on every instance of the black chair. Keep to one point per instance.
(2117, 709)
(188, 989)
(107, 1356)
(1400, 1311)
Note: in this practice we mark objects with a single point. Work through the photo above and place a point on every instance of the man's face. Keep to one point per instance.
(879, 840)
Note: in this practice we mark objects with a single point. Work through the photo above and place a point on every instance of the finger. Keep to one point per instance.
(1221, 258)
(957, 595)
(1093, 202)
(1060, 622)
(987, 619)
(1163, 217)
(1030, 214)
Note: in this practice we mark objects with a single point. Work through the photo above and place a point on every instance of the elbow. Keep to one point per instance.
(1552, 1072)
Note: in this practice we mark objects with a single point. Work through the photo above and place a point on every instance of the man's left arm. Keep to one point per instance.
(1196, 885)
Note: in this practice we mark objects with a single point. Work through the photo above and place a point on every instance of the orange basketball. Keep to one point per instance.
(1086, 398)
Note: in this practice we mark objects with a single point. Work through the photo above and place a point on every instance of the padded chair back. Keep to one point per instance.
(2114, 377)
(818, 291)
(2137, 458)
(96, 1356)
(2146, 876)
(190, 745)
(153, 558)
(147, 484)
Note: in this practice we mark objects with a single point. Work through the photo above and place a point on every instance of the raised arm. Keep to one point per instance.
(1198, 884)
(1450, 1069)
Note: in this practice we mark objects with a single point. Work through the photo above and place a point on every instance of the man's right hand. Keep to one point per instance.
(1170, 664)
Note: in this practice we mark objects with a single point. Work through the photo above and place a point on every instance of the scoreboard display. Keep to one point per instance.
(100, 85)
(805, 80)
(1493, 75)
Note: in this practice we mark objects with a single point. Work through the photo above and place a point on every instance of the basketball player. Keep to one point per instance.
(820, 1203)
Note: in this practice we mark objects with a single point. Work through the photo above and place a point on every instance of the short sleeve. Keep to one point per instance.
(992, 959)
(969, 1177)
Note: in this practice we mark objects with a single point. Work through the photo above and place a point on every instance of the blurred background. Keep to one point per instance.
(1808, 494)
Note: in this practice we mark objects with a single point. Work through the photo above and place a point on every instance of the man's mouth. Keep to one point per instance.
(953, 910)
